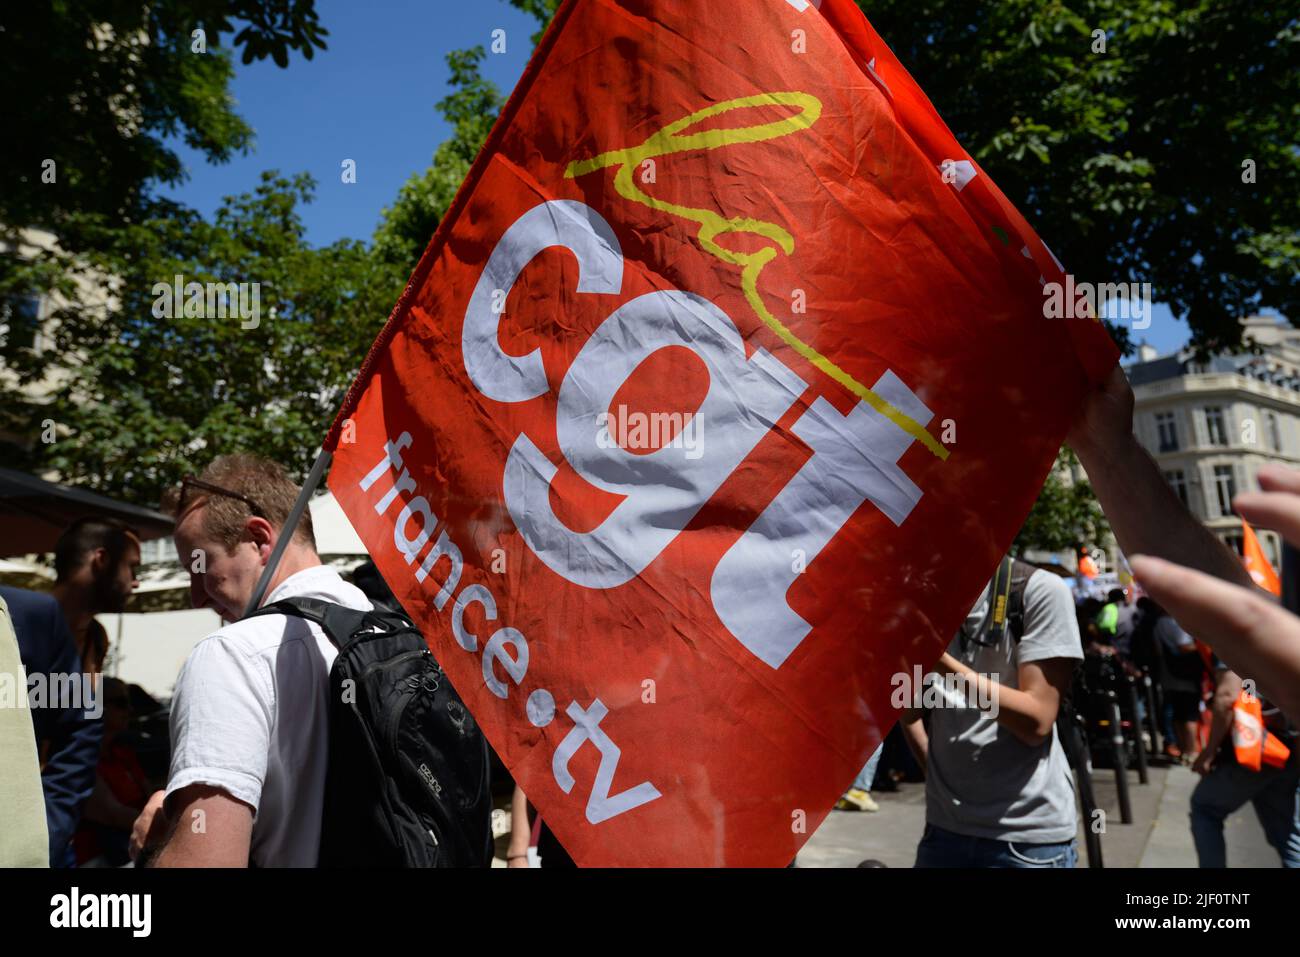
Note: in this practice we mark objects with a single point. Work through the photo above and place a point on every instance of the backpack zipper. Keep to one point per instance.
(404, 656)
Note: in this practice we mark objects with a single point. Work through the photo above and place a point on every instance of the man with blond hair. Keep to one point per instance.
(249, 718)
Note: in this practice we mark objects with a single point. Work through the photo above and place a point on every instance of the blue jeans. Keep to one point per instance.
(940, 848)
(868, 773)
(1275, 792)
(1167, 726)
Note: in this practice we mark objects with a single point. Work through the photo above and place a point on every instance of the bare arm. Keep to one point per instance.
(520, 830)
(1028, 712)
(915, 736)
(1226, 689)
(209, 828)
(1179, 561)
(1248, 630)
(1145, 514)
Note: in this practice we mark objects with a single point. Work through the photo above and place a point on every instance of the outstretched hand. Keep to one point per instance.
(1277, 505)
(1245, 626)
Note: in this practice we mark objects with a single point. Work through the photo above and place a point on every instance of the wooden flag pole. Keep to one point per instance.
(290, 524)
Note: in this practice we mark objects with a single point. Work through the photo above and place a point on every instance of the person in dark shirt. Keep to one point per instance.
(1181, 673)
(62, 649)
(95, 564)
(1227, 785)
(67, 733)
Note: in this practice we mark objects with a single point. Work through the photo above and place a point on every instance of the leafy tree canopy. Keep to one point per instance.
(1131, 160)
(98, 86)
(1066, 514)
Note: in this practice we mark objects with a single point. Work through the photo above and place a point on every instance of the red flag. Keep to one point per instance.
(706, 416)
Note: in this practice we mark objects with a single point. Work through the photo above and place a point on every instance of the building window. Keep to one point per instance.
(1235, 541)
(1225, 486)
(1214, 427)
(158, 551)
(1274, 433)
(1178, 482)
(1167, 431)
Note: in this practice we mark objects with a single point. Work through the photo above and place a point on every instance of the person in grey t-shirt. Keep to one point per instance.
(999, 792)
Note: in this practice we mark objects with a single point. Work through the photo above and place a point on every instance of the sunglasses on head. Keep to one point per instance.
(190, 482)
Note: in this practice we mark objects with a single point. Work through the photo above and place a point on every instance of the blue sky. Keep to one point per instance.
(1167, 332)
(370, 97)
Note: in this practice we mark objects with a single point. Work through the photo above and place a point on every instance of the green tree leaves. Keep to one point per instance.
(146, 398)
(159, 391)
(1066, 513)
(1129, 162)
(97, 86)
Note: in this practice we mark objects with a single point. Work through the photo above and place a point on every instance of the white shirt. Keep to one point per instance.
(250, 716)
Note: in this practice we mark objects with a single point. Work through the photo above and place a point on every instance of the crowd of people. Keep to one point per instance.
(84, 793)
(999, 791)
(1203, 722)
(248, 780)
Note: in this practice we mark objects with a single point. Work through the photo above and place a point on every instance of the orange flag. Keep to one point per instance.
(1257, 563)
(1255, 745)
(705, 417)
(1087, 567)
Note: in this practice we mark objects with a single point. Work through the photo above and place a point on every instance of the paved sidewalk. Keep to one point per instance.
(1158, 837)
(1169, 843)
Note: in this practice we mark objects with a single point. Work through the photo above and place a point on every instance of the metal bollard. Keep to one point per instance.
(1121, 764)
(1153, 729)
(1139, 748)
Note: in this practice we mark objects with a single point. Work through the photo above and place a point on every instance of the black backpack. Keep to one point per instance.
(407, 781)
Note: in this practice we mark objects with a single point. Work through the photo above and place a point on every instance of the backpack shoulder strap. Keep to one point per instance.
(1006, 612)
(337, 621)
(1021, 572)
(997, 621)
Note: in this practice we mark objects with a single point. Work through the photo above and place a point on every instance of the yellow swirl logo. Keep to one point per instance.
(673, 138)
